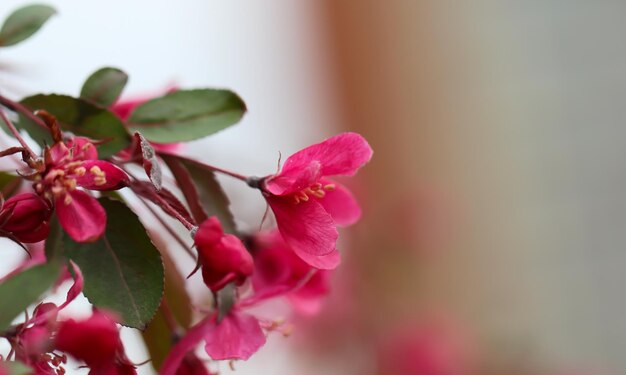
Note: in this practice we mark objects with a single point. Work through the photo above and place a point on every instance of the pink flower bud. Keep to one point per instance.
(25, 217)
(223, 257)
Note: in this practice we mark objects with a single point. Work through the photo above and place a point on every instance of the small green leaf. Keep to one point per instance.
(24, 289)
(186, 115)
(203, 192)
(104, 86)
(23, 23)
(79, 117)
(123, 270)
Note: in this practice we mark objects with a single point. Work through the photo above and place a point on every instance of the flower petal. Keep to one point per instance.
(294, 179)
(82, 217)
(340, 204)
(306, 226)
(102, 175)
(307, 300)
(193, 336)
(324, 262)
(238, 336)
(342, 154)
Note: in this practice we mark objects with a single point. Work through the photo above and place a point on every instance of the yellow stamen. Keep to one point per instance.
(80, 171)
(329, 187)
(318, 193)
(68, 200)
(95, 170)
(70, 183)
(100, 180)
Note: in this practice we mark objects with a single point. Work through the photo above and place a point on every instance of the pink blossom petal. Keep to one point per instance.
(102, 175)
(294, 179)
(76, 288)
(306, 227)
(82, 148)
(58, 152)
(238, 336)
(324, 262)
(124, 108)
(340, 204)
(342, 154)
(81, 216)
(191, 339)
(307, 299)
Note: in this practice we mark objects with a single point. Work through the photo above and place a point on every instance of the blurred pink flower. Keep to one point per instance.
(308, 206)
(432, 349)
(278, 271)
(95, 341)
(237, 336)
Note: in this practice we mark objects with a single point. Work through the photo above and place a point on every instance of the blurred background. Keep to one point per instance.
(492, 237)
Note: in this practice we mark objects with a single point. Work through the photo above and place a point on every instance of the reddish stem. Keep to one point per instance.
(17, 107)
(168, 316)
(17, 135)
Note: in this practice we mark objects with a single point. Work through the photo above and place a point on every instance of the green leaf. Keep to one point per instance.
(15, 368)
(23, 23)
(186, 115)
(179, 306)
(104, 86)
(9, 184)
(203, 192)
(123, 270)
(24, 289)
(79, 117)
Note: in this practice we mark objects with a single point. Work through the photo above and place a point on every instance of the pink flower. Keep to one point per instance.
(68, 166)
(95, 341)
(431, 349)
(237, 336)
(278, 271)
(308, 206)
(223, 257)
(25, 217)
(33, 342)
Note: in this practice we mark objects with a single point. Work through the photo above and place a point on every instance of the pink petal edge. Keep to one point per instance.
(342, 154)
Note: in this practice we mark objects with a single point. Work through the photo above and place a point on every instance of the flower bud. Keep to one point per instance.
(25, 217)
(223, 257)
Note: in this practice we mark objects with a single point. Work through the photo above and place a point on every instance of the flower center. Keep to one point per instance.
(59, 181)
(316, 190)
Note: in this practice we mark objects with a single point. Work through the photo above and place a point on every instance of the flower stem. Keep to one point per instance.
(170, 321)
(17, 135)
(17, 107)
